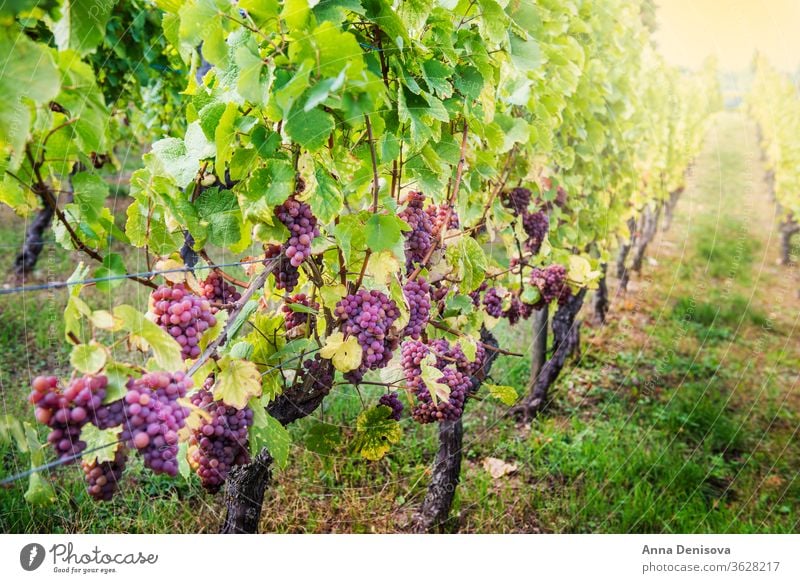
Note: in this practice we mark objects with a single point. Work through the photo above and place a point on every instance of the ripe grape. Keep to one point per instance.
(369, 316)
(286, 275)
(447, 353)
(153, 418)
(420, 238)
(552, 284)
(413, 353)
(536, 226)
(320, 372)
(215, 289)
(102, 478)
(302, 224)
(66, 412)
(518, 310)
(493, 303)
(438, 213)
(220, 442)
(418, 296)
(475, 295)
(392, 400)
(293, 318)
(517, 199)
(184, 315)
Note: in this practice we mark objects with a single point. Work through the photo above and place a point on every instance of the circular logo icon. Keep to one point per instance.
(31, 556)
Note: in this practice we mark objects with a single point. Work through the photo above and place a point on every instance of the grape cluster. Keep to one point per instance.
(552, 284)
(220, 442)
(517, 310)
(102, 478)
(392, 400)
(438, 214)
(286, 275)
(475, 295)
(535, 225)
(65, 413)
(420, 238)
(184, 315)
(153, 418)
(418, 296)
(302, 224)
(294, 319)
(413, 353)
(369, 316)
(493, 303)
(517, 199)
(110, 415)
(215, 289)
(561, 194)
(321, 373)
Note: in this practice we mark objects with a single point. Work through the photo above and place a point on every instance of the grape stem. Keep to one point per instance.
(255, 285)
(227, 277)
(375, 193)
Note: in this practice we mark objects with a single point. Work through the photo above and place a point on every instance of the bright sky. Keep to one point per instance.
(690, 30)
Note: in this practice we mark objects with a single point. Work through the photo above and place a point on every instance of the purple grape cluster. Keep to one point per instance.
(535, 225)
(320, 372)
(369, 316)
(420, 238)
(184, 315)
(475, 295)
(418, 296)
(110, 415)
(220, 442)
(65, 413)
(153, 418)
(552, 284)
(302, 224)
(294, 319)
(447, 353)
(216, 289)
(493, 303)
(517, 199)
(287, 275)
(392, 400)
(413, 353)
(102, 479)
(438, 214)
(517, 310)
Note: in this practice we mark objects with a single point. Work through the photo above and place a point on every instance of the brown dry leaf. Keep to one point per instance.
(497, 468)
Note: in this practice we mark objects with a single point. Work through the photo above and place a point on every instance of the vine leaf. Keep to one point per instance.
(88, 358)
(268, 432)
(345, 354)
(384, 232)
(432, 376)
(503, 393)
(376, 431)
(82, 24)
(237, 382)
(468, 258)
(166, 350)
(105, 439)
(309, 129)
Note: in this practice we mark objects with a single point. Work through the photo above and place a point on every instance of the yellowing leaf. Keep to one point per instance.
(503, 393)
(237, 382)
(375, 432)
(168, 264)
(105, 320)
(345, 354)
(580, 271)
(431, 376)
(101, 444)
(166, 350)
(381, 267)
(497, 468)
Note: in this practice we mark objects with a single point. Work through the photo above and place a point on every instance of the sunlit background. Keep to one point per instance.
(689, 31)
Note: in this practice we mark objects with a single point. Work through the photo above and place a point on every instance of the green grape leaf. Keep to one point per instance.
(327, 201)
(272, 435)
(237, 382)
(82, 24)
(432, 376)
(112, 266)
(376, 432)
(309, 129)
(220, 210)
(88, 358)
(503, 393)
(323, 438)
(468, 258)
(225, 134)
(384, 232)
(166, 350)
(345, 354)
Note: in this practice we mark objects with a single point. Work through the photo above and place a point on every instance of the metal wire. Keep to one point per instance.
(63, 284)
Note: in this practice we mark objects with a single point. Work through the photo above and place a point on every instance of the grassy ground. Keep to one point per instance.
(681, 414)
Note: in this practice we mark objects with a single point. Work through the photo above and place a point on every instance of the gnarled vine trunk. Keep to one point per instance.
(600, 298)
(788, 228)
(669, 207)
(435, 509)
(566, 341)
(649, 228)
(622, 255)
(32, 247)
